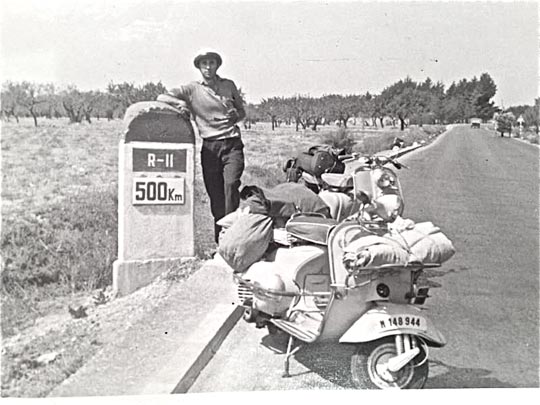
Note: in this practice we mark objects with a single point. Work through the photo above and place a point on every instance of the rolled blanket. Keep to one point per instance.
(424, 242)
(372, 250)
(434, 248)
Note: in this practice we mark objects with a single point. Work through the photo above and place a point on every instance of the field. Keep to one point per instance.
(59, 235)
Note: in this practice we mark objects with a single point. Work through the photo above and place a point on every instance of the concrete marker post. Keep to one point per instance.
(156, 176)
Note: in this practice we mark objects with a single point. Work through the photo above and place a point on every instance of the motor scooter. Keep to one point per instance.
(308, 289)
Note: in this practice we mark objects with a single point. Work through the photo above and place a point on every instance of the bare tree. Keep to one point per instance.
(33, 96)
(79, 105)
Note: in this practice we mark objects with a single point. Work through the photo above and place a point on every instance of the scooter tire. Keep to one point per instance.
(366, 375)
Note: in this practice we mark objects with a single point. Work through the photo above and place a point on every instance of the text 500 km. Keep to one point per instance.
(158, 191)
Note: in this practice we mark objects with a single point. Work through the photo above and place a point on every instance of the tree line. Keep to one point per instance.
(403, 102)
(48, 101)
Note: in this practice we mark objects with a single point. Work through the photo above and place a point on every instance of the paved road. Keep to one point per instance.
(482, 190)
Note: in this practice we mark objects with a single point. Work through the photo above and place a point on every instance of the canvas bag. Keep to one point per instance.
(246, 241)
(317, 160)
(282, 201)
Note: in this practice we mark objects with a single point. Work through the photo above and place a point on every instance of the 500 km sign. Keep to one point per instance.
(158, 190)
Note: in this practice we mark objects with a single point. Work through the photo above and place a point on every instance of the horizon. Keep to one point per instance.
(301, 48)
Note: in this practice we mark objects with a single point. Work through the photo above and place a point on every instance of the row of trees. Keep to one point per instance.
(46, 100)
(403, 102)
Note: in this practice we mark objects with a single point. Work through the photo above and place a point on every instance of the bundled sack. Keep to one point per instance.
(426, 242)
(228, 220)
(246, 241)
(287, 199)
(407, 243)
(373, 251)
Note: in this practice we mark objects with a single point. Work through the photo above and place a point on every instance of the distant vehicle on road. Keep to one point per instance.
(475, 122)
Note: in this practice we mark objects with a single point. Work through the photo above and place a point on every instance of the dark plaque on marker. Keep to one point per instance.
(159, 160)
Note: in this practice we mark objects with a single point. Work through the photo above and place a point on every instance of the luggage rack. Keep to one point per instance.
(415, 266)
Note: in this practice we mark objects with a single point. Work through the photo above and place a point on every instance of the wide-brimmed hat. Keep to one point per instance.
(207, 53)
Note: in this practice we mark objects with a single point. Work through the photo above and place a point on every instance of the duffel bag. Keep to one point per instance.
(320, 159)
(317, 160)
(246, 241)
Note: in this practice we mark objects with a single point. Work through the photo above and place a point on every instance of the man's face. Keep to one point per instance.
(208, 67)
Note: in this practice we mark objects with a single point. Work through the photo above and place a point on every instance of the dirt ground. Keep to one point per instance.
(42, 356)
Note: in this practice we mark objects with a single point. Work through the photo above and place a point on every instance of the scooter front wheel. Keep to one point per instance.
(250, 313)
(369, 367)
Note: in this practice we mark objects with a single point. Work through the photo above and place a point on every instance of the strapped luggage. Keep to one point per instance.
(317, 160)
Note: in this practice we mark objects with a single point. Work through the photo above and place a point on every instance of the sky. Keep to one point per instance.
(272, 48)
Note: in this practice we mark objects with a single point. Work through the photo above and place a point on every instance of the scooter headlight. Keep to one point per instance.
(386, 180)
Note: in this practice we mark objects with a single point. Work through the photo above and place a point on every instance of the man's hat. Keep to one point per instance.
(207, 53)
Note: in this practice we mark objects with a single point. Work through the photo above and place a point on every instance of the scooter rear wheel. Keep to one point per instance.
(368, 368)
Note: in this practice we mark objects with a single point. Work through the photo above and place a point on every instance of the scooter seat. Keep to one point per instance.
(337, 181)
(310, 228)
(341, 205)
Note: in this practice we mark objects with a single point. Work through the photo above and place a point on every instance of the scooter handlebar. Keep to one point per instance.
(372, 160)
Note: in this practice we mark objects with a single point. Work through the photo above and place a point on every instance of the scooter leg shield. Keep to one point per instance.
(388, 319)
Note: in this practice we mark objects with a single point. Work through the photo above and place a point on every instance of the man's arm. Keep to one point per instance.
(238, 103)
(171, 100)
(177, 99)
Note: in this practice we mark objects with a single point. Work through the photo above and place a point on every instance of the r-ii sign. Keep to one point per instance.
(159, 160)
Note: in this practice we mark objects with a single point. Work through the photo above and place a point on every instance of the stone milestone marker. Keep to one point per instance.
(155, 194)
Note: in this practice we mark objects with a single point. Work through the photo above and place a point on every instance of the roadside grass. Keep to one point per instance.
(532, 138)
(59, 226)
(58, 214)
(528, 135)
(68, 247)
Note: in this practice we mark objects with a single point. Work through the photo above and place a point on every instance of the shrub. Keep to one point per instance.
(370, 145)
(531, 137)
(340, 139)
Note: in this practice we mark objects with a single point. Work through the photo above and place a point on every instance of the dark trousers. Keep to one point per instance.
(222, 166)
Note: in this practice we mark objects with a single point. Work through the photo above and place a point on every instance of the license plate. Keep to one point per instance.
(402, 321)
(158, 190)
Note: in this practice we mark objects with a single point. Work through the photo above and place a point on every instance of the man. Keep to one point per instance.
(217, 107)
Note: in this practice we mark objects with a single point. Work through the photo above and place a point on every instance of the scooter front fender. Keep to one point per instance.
(388, 319)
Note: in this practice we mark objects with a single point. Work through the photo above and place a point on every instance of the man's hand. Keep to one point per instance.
(232, 116)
